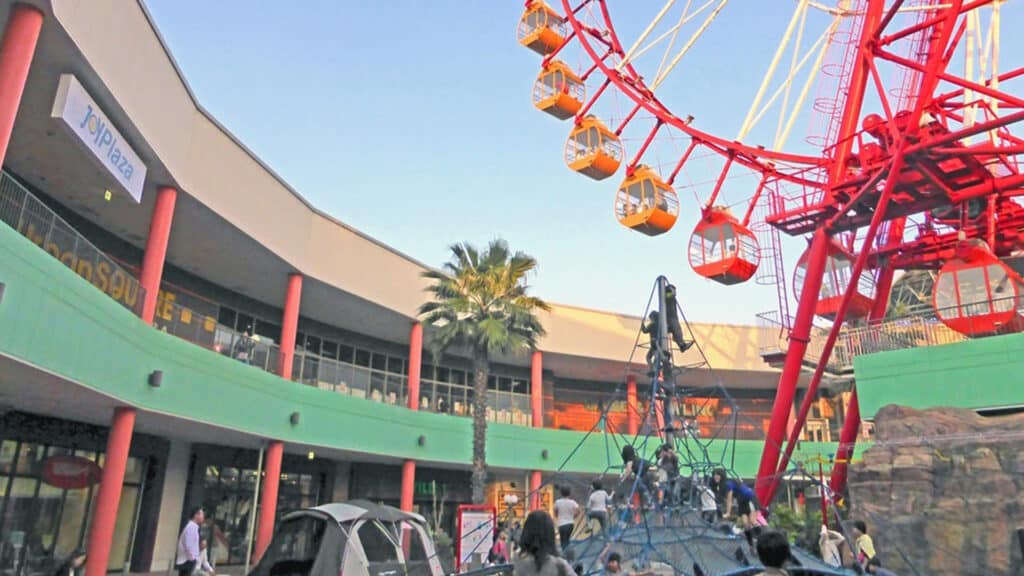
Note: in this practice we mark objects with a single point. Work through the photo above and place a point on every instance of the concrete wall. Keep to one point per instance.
(172, 499)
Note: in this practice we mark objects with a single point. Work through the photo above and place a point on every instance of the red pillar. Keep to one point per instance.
(798, 338)
(19, 44)
(268, 497)
(537, 388)
(535, 482)
(847, 441)
(156, 250)
(413, 402)
(289, 325)
(632, 409)
(537, 409)
(104, 515)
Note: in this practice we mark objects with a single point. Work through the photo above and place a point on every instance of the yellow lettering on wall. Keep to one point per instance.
(85, 270)
(31, 234)
(53, 249)
(166, 309)
(209, 324)
(186, 316)
(103, 276)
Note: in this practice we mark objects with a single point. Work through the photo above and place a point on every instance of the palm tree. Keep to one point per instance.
(480, 304)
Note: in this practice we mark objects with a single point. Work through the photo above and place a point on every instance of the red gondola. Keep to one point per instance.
(977, 294)
(722, 249)
(838, 269)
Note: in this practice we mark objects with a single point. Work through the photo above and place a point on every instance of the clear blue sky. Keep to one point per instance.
(411, 121)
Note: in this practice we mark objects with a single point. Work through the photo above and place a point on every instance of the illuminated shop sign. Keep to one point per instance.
(83, 117)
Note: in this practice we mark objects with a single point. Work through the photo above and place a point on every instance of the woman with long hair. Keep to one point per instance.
(538, 552)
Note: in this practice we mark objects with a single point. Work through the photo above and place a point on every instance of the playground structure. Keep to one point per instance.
(910, 163)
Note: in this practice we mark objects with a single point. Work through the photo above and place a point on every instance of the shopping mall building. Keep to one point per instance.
(140, 241)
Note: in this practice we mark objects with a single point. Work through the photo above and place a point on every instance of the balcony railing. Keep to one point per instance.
(22, 211)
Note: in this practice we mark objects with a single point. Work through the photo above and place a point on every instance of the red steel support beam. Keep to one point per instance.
(268, 498)
(413, 403)
(289, 325)
(156, 251)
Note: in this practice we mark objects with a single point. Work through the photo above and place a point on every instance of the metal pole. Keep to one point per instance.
(665, 351)
(138, 512)
(253, 508)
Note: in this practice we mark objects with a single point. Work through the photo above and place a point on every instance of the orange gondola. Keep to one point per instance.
(645, 203)
(558, 91)
(722, 249)
(838, 271)
(977, 294)
(593, 150)
(541, 29)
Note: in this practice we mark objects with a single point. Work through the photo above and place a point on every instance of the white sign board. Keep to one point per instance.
(84, 119)
(476, 536)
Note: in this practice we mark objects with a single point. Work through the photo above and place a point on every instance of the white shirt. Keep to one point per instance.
(707, 500)
(598, 501)
(204, 561)
(188, 544)
(565, 511)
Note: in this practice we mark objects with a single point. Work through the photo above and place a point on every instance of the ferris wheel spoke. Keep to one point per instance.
(693, 40)
(643, 36)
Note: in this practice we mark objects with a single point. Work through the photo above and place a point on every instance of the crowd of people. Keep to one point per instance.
(534, 546)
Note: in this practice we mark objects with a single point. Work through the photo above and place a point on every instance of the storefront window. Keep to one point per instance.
(229, 498)
(40, 522)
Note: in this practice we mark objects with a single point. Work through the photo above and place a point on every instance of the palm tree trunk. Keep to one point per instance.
(479, 478)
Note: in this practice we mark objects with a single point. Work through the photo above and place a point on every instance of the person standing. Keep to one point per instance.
(773, 551)
(188, 544)
(566, 511)
(203, 566)
(597, 505)
(538, 552)
(829, 542)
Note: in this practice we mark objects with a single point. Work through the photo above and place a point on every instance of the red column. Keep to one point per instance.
(104, 515)
(537, 408)
(289, 325)
(798, 338)
(535, 482)
(268, 497)
(632, 409)
(537, 388)
(847, 440)
(156, 250)
(415, 360)
(19, 44)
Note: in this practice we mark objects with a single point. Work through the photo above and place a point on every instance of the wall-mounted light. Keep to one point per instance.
(156, 378)
(421, 441)
(294, 418)
(544, 454)
(2, 286)
(311, 455)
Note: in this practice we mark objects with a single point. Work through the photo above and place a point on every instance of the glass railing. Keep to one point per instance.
(247, 349)
(185, 323)
(22, 211)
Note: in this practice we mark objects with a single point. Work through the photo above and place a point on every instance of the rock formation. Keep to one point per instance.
(943, 489)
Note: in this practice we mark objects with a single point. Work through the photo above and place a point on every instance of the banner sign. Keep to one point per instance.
(83, 117)
(70, 472)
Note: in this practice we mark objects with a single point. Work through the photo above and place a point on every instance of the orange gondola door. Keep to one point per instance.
(593, 150)
(977, 294)
(722, 249)
(541, 29)
(645, 203)
(558, 91)
(838, 273)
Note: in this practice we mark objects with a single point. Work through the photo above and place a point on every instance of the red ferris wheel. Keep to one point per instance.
(910, 160)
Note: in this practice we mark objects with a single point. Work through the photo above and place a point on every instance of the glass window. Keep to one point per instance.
(492, 382)
(313, 345)
(123, 528)
(380, 362)
(458, 377)
(416, 559)
(227, 317)
(443, 374)
(330, 349)
(8, 449)
(376, 544)
(346, 353)
(30, 459)
(271, 332)
(293, 549)
(396, 365)
(427, 371)
(246, 323)
(363, 358)
(504, 384)
(442, 399)
(229, 476)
